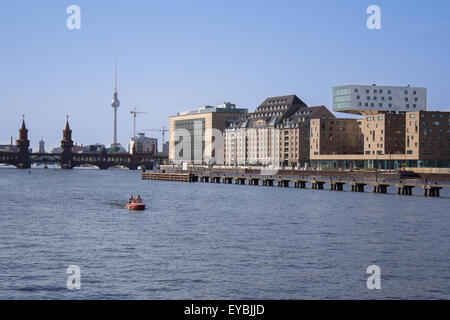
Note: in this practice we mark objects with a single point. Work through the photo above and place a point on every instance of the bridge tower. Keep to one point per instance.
(23, 161)
(66, 146)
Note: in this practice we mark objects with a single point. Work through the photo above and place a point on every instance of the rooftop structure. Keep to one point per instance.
(358, 99)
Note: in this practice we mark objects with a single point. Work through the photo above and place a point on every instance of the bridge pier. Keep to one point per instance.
(405, 190)
(432, 191)
(227, 180)
(357, 187)
(337, 186)
(317, 185)
(283, 183)
(380, 188)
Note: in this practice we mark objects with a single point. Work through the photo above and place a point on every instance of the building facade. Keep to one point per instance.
(254, 139)
(390, 141)
(11, 147)
(428, 138)
(358, 99)
(41, 146)
(276, 134)
(196, 136)
(294, 143)
(384, 133)
(165, 150)
(336, 136)
(143, 144)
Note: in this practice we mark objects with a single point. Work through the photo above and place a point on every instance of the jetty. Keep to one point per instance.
(354, 181)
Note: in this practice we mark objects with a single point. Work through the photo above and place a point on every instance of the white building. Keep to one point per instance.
(56, 150)
(41, 146)
(143, 144)
(357, 99)
(254, 139)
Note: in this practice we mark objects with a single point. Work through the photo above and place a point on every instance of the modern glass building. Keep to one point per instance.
(357, 99)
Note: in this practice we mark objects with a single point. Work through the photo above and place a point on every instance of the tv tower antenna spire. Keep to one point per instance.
(115, 103)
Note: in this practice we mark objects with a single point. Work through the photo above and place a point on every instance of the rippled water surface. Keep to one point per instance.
(211, 241)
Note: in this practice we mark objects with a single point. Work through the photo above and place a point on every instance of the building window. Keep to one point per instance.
(414, 92)
(358, 97)
(356, 90)
(368, 97)
(390, 105)
(407, 105)
(406, 91)
(389, 91)
(406, 99)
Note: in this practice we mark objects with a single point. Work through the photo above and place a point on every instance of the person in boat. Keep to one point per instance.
(138, 199)
(131, 200)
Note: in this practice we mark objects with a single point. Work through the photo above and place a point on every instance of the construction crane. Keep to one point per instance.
(163, 131)
(134, 112)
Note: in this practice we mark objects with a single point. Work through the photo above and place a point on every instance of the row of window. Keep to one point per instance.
(431, 130)
(434, 123)
(380, 91)
(272, 107)
(277, 101)
(381, 105)
(368, 98)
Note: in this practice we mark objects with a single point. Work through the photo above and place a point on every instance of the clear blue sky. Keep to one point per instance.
(178, 55)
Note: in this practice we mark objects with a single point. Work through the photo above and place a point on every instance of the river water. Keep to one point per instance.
(211, 241)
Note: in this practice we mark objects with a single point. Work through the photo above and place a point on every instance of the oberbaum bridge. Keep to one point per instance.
(23, 159)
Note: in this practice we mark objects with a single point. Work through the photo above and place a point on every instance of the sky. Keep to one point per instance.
(179, 55)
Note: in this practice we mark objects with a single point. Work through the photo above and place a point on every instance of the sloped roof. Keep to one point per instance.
(271, 111)
(303, 115)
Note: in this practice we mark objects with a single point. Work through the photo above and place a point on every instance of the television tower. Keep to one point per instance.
(115, 103)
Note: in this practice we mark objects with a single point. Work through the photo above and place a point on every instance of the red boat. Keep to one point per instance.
(135, 206)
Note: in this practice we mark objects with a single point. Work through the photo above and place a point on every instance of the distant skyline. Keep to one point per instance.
(179, 55)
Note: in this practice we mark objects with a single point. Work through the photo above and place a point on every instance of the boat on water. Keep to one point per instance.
(135, 206)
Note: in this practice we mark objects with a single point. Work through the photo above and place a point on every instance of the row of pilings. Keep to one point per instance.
(316, 183)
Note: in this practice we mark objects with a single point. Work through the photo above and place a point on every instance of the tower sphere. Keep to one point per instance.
(115, 103)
